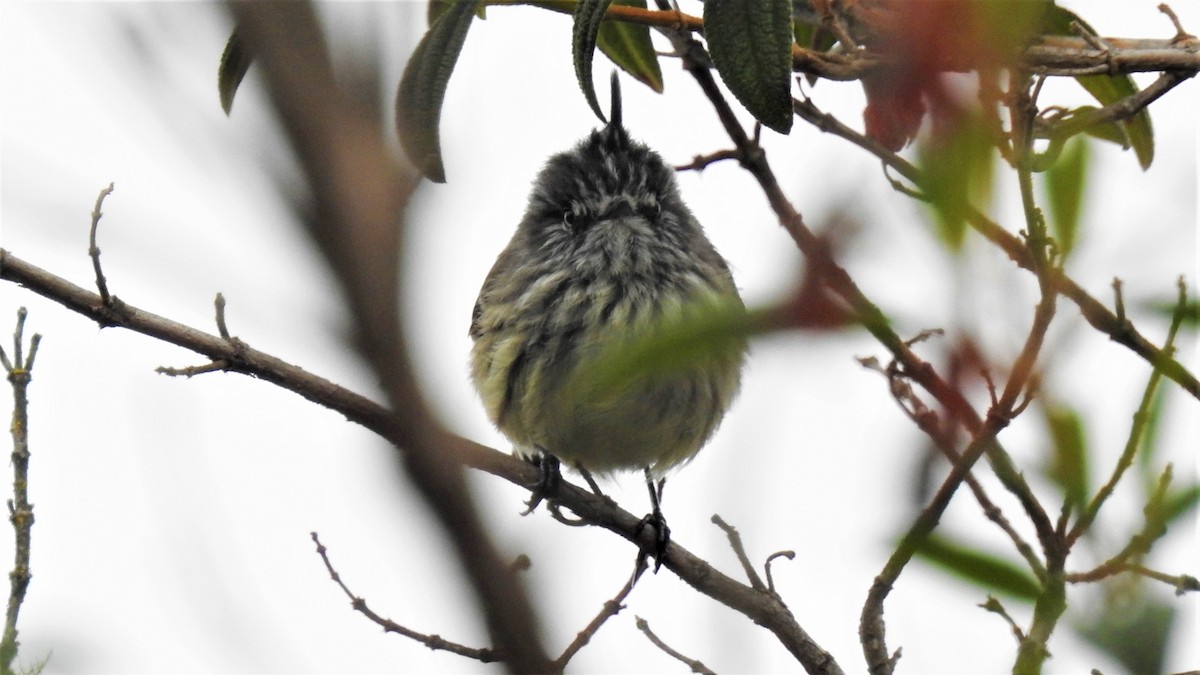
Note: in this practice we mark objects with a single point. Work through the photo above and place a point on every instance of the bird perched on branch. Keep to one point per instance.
(608, 333)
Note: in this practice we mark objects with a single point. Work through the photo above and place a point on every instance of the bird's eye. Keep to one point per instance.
(650, 212)
(568, 221)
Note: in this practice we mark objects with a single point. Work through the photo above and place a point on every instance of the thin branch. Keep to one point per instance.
(1180, 34)
(94, 250)
(610, 609)
(759, 607)
(1139, 544)
(219, 306)
(735, 543)
(1140, 420)
(701, 162)
(1182, 583)
(790, 555)
(1122, 109)
(993, 605)
(695, 665)
(1052, 55)
(434, 642)
(20, 511)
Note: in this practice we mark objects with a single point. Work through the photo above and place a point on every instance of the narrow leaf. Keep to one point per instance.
(1068, 464)
(629, 46)
(235, 61)
(1181, 502)
(981, 569)
(588, 17)
(1110, 89)
(751, 46)
(958, 165)
(1065, 183)
(423, 87)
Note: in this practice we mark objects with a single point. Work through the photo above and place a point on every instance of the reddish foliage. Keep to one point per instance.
(925, 39)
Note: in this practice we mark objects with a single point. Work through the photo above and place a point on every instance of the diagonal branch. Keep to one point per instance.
(597, 510)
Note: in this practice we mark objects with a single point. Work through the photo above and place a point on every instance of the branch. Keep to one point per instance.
(1117, 328)
(1051, 55)
(434, 642)
(20, 511)
(694, 664)
(596, 510)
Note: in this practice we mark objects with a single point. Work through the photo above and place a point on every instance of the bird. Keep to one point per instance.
(606, 260)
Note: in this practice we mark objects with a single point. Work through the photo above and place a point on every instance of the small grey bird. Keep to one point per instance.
(607, 256)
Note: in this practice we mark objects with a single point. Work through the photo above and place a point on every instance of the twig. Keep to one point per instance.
(1180, 34)
(790, 555)
(94, 250)
(1140, 418)
(434, 642)
(1139, 544)
(219, 306)
(1183, 583)
(610, 609)
(695, 665)
(20, 511)
(993, 605)
(701, 162)
(216, 365)
(735, 543)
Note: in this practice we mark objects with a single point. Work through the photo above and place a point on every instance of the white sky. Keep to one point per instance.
(173, 516)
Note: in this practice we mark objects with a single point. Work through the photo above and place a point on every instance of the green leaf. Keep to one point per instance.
(1068, 465)
(1180, 502)
(589, 15)
(629, 46)
(1133, 629)
(1108, 89)
(235, 61)
(957, 165)
(423, 87)
(709, 332)
(750, 42)
(1191, 311)
(1065, 182)
(981, 569)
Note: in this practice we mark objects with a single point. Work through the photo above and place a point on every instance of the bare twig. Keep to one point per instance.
(993, 605)
(790, 555)
(610, 609)
(20, 511)
(701, 162)
(434, 642)
(695, 665)
(735, 543)
(219, 306)
(1180, 34)
(94, 250)
(1182, 583)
